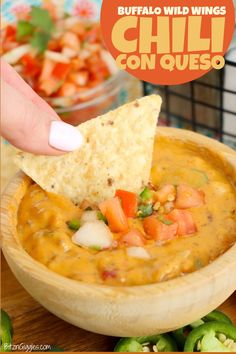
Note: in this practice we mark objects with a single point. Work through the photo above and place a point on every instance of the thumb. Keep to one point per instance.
(29, 123)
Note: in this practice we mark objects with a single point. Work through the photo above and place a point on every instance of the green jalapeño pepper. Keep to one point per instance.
(217, 316)
(146, 195)
(145, 210)
(128, 345)
(156, 343)
(102, 217)
(181, 334)
(73, 224)
(55, 348)
(212, 337)
(6, 332)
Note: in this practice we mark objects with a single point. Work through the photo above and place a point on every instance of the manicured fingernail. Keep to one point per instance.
(64, 136)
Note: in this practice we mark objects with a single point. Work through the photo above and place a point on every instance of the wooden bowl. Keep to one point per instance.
(123, 311)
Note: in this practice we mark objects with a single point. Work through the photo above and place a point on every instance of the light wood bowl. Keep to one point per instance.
(123, 311)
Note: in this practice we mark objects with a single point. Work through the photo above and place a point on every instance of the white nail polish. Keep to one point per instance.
(64, 136)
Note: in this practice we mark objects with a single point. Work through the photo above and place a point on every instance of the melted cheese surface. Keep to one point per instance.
(45, 235)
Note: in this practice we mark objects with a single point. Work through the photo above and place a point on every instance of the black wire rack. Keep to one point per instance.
(201, 105)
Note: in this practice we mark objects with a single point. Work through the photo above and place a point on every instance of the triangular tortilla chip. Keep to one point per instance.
(117, 154)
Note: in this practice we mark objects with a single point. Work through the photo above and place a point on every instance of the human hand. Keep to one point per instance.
(28, 122)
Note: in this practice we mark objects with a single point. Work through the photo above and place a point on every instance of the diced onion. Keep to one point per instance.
(93, 234)
(69, 52)
(19, 68)
(62, 102)
(57, 57)
(17, 53)
(84, 54)
(89, 215)
(221, 188)
(138, 252)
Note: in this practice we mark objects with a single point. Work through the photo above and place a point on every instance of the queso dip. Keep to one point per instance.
(182, 221)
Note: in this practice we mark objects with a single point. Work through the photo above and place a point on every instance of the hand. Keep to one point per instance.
(28, 122)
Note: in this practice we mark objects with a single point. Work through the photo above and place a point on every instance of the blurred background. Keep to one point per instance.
(56, 46)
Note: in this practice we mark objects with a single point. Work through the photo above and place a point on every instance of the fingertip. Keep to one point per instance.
(65, 137)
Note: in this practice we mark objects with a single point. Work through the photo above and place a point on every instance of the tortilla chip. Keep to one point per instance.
(117, 154)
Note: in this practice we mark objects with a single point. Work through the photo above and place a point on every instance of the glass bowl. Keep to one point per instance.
(117, 90)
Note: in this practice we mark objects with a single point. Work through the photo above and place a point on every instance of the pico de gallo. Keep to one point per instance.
(156, 215)
(57, 57)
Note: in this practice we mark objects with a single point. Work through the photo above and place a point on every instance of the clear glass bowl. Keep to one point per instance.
(117, 90)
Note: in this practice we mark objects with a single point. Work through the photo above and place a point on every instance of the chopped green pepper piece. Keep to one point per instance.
(164, 221)
(163, 342)
(204, 338)
(198, 263)
(95, 248)
(203, 174)
(64, 115)
(6, 332)
(145, 210)
(74, 224)
(146, 194)
(101, 217)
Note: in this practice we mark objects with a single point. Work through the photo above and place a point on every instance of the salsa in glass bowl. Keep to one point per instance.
(64, 60)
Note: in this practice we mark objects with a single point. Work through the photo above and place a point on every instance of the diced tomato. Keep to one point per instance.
(188, 197)
(31, 65)
(133, 238)
(165, 192)
(79, 29)
(70, 39)
(77, 64)
(68, 89)
(99, 70)
(158, 230)
(51, 8)
(115, 215)
(10, 33)
(8, 45)
(184, 219)
(104, 205)
(79, 78)
(108, 274)
(9, 41)
(93, 34)
(87, 205)
(54, 45)
(129, 202)
(61, 70)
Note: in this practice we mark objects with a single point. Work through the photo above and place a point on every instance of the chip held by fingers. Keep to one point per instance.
(116, 154)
